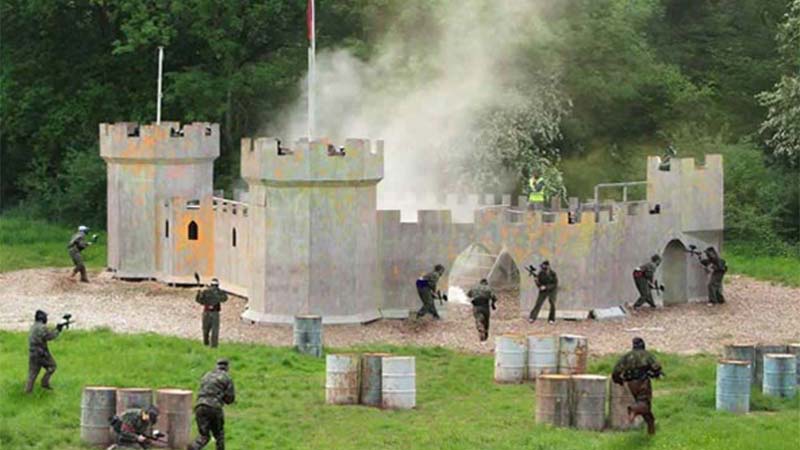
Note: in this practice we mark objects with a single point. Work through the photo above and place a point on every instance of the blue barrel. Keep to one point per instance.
(742, 352)
(733, 386)
(308, 335)
(761, 350)
(795, 350)
(780, 375)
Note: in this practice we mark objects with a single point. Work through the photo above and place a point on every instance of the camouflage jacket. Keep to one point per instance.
(432, 278)
(132, 426)
(636, 365)
(216, 389)
(717, 267)
(37, 340)
(649, 270)
(211, 298)
(77, 242)
(481, 295)
(547, 279)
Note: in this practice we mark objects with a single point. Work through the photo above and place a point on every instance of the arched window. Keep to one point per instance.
(233, 238)
(193, 231)
(166, 229)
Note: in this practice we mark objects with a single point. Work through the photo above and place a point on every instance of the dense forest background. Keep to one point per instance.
(627, 78)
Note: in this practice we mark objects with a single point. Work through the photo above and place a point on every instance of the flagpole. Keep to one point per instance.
(160, 75)
(312, 48)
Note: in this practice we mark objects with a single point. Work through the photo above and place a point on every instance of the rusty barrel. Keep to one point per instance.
(371, 375)
(794, 349)
(510, 351)
(98, 404)
(589, 401)
(128, 398)
(399, 382)
(620, 399)
(780, 375)
(761, 350)
(342, 379)
(742, 352)
(733, 386)
(175, 416)
(553, 400)
(573, 352)
(308, 335)
(542, 356)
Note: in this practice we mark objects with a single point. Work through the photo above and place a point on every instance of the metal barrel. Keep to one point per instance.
(761, 350)
(128, 398)
(542, 356)
(589, 401)
(98, 405)
(573, 352)
(733, 385)
(780, 375)
(510, 351)
(175, 416)
(341, 379)
(371, 373)
(742, 352)
(308, 335)
(398, 382)
(620, 399)
(794, 349)
(553, 400)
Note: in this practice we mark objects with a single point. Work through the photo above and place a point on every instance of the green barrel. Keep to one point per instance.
(308, 335)
(733, 386)
(98, 404)
(780, 375)
(761, 350)
(742, 352)
(371, 373)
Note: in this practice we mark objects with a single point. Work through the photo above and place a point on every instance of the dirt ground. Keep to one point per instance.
(756, 311)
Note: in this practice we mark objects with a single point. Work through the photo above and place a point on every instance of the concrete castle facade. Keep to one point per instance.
(310, 238)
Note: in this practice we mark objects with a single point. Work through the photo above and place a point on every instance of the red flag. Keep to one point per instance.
(310, 20)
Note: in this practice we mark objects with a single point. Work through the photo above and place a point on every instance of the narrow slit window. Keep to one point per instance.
(193, 231)
(233, 238)
(166, 229)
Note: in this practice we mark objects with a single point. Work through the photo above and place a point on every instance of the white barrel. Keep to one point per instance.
(399, 382)
(510, 351)
(780, 375)
(342, 379)
(589, 401)
(733, 385)
(573, 352)
(794, 349)
(98, 404)
(542, 356)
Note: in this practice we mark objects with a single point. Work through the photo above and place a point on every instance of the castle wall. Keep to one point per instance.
(232, 245)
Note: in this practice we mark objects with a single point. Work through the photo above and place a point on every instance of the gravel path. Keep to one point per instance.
(756, 312)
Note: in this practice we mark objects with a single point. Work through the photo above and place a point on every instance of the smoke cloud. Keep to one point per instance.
(425, 88)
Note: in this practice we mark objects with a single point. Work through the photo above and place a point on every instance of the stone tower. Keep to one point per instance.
(160, 182)
(313, 231)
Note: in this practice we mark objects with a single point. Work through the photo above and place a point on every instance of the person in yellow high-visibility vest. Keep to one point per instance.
(536, 195)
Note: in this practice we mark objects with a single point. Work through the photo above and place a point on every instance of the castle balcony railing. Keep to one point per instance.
(623, 185)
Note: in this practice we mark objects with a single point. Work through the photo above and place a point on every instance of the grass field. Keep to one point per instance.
(781, 269)
(280, 401)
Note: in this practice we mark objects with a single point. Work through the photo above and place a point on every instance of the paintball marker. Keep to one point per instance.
(197, 279)
(66, 323)
(158, 438)
(441, 297)
(531, 270)
(659, 288)
(694, 251)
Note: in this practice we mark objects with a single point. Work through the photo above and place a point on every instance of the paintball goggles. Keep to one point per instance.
(66, 323)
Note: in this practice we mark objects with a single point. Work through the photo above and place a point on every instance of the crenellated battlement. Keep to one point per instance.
(269, 161)
(167, 141)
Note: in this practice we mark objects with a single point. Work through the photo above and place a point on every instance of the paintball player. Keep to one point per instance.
(426, 288)
(716, 267)
(132, 428)
(666, 160)
(536, 195)
(547, 284)
(635, 369)
(76, 245)
(38, 353)
(643, 277)
(211, 298)
(216, 391)
(481, 296)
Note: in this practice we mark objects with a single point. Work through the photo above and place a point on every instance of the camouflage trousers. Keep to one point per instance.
(645, 294)
(37, 362)
(77, 261)
(482, 315)
(715, 292)
(642, 392)
(211, 328)
(428, 306)
(210, 421)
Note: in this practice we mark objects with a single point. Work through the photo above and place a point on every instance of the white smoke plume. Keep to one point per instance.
(423, 95)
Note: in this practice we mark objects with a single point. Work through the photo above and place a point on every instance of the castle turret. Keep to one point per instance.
(313, 230)
(160, 181)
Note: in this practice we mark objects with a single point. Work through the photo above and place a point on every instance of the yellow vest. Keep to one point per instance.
(536, 196)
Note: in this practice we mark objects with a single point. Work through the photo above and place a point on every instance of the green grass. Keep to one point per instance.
(280, 401)
(27, 243)
(781, 269)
